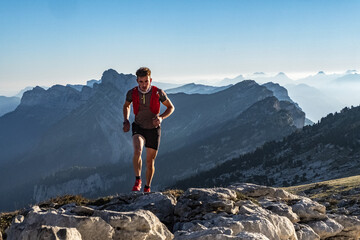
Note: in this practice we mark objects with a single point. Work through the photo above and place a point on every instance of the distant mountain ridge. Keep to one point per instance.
(264, 120)
(193, 88)
(61, 140)
(324, 151)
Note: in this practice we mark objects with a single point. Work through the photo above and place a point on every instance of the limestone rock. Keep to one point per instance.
(83, 211)
(50, 232)
(159, 204)
(103, 225)
(251, 236)
(351, 226)
(326, 228)
(308, 209)
(281, 209)
(219, 233)
(89, 227)
(257, 219)
(258, 191)
(304, 232)
(250, 218)
(200, 213)
(205, 234)
(196, 202)
(139, 224)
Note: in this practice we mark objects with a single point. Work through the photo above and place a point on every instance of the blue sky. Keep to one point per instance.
(46, 42)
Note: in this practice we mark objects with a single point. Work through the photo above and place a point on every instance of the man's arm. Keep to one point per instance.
(126, 113)
(169, 110)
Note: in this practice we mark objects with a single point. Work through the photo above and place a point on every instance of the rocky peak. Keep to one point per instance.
(68, 97)
(280, 92)
(298, 116)
(271, 105)
(56, 96)
(240, 211)
(243, 86)
(120, 81)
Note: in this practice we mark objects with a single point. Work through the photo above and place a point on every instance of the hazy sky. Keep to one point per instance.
(46, 42)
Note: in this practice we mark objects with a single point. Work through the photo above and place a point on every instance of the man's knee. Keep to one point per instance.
(138, 143)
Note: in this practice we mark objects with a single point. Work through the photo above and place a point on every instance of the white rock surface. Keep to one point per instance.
(351, 225)
(251, 236)
(196, 202)
(308, 209)
(139, 224)
(271, 225)
(244, 211)
(50, 232)
(281, 209)
(258, 191)
(326, 228)
(159, 204)
(304, 232)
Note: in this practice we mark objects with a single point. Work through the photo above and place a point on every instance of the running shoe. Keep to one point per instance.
(137, 185)
(146, 189)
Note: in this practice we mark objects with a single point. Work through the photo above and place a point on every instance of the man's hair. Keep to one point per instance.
(143, 72)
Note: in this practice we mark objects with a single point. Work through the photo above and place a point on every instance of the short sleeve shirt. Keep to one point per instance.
(145, 117)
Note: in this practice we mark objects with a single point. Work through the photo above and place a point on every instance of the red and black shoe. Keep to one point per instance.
(146, 189)
(137, 185)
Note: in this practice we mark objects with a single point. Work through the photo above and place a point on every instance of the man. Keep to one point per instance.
(146, 127)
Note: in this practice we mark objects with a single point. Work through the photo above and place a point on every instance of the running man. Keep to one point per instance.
(146, 127)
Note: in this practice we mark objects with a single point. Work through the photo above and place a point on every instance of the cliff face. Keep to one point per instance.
(240, 211)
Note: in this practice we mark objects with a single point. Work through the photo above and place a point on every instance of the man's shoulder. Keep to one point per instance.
(159, 89)
(131, 90)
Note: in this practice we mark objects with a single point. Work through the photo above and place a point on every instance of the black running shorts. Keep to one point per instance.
(152, 136)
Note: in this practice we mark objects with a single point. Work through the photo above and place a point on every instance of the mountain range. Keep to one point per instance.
(327, 150)
(317, 94)
(67, 139)
(62, 140)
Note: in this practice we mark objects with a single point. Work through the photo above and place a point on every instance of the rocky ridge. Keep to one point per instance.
(240, 211)
(327, 150)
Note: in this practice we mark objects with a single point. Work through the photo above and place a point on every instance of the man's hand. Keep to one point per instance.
(126, 126)
(157, 121)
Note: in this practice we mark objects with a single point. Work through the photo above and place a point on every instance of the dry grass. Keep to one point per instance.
(326, 189)
(241, 197)
(174, 192)
(63, 200)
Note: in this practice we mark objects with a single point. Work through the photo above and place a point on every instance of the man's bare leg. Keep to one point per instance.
(150, 164)
(138, 143)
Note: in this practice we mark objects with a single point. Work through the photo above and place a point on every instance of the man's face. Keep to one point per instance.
(144, 83)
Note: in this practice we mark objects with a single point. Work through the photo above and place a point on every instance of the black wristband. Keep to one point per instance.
(126, 121)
